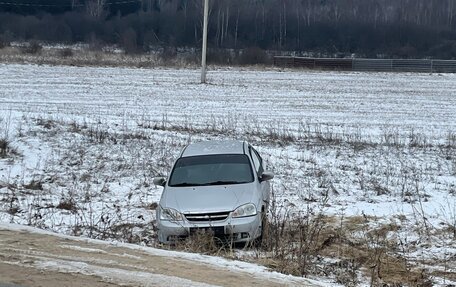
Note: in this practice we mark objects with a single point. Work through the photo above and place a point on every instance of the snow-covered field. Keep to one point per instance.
(88, 142)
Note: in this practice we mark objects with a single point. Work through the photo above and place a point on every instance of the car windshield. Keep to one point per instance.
(211, 170)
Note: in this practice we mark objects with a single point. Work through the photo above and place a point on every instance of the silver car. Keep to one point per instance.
(220, 186)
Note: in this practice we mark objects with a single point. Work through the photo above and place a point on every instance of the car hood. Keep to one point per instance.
(215, 198)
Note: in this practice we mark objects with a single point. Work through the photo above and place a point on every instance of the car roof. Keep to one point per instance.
(214, 147)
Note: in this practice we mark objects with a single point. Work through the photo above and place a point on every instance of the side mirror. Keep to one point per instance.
(160, 180)
(267, 175)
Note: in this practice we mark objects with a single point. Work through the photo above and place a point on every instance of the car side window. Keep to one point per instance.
(257, 161)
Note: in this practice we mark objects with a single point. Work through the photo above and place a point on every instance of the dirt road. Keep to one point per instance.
(35, 259)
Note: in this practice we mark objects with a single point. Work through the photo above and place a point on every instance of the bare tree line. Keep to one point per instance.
(420, 12)
(421, 27)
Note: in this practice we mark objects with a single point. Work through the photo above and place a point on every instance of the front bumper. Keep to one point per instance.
(243, 229)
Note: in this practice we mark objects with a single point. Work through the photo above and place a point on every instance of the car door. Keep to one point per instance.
(264, 186)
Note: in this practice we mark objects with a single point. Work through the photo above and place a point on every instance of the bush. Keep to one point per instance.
(168, 54)
(3, 43)
(4, 147)
(95, 44)
(68, 204)
(65, 53)
(32, 48)
(129, 41)
(445, 50)
(253, 56)
(219, 56)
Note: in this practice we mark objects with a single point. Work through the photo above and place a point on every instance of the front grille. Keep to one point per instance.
(205, 217)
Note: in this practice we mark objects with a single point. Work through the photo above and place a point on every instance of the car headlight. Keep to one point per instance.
(170, 214)
(248, 209)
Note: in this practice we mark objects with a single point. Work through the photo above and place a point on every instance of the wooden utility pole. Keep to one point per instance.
(203, 56)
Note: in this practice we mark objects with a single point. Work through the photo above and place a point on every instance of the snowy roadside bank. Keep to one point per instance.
(122, 263)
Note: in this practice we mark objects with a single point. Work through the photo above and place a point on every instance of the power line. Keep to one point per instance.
(63, 5)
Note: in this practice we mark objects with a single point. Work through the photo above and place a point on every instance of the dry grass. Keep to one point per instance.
(357, 251)
(4, 147)
(31, 53)
(204, 242)
(68, 204)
